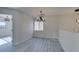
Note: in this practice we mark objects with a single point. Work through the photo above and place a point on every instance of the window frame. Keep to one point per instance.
(39, 26)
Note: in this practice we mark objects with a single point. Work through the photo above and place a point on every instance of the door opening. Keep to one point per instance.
(6, 27)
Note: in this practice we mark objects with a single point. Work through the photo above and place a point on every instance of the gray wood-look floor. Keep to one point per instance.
(39, 45)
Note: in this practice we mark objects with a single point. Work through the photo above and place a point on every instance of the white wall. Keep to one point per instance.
(50, 28)
(68, 22)
(68, 34)
(69, 41)
(22, 25)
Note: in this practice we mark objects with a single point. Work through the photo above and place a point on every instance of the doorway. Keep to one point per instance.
(6, 34)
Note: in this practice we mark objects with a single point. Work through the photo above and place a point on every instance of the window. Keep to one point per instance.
(38, 25)
(2, 24)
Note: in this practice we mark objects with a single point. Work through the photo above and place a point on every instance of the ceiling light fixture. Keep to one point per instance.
(7, 18)
(41, 17)
(77, 15)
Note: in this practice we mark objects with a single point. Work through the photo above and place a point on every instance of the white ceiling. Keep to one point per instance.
(34, 11)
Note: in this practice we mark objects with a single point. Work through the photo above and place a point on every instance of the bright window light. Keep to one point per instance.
(8, 39)
(2, 42)
(41, 26)
(38, 26)
(2, 24)
(5, 40)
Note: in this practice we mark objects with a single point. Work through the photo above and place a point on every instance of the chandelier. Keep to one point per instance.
(77, 15)
(7, 18)
(41, 17)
